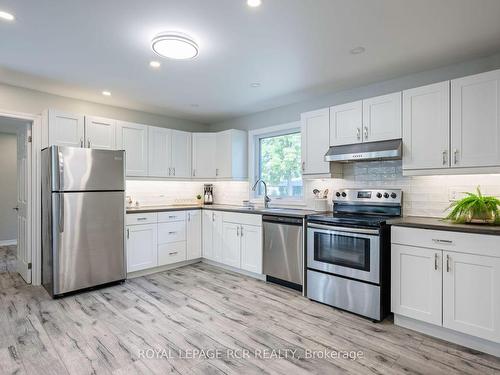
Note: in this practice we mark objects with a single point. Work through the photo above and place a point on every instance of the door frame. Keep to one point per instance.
(35, 224)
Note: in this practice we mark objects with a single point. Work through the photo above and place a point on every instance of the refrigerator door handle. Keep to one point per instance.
(61, 213)
(60, 161)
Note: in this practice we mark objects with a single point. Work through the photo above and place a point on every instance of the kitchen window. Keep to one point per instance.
(278, 163)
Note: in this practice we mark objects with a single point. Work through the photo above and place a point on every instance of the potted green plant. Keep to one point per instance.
(198, 198)
(475, 209)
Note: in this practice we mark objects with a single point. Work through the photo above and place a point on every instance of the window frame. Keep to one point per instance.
(254, 138)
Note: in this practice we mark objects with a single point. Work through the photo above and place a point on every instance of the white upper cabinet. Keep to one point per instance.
(471, 294)
(426, 127)
(65, 129)
(100, 133)
(382, 118)
(346, 121)
(475, 120)
(204, 155)
(315, 131)
(231, 154)
(133, 138)
(181, 154)
(159, 152)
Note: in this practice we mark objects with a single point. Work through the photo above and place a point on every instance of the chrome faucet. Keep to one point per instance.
(266, 198)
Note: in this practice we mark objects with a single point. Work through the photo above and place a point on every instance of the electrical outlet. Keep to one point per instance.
(452, 195)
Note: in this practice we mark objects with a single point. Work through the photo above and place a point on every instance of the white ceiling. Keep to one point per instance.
(296, 49)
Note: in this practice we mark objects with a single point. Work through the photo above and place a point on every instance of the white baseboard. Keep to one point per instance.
(450, 335)
(8, 242)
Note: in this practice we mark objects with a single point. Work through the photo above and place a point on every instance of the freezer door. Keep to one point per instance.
(88, 239)
(85, 169)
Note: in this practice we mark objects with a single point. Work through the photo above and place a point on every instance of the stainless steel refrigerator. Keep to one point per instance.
(83, 218)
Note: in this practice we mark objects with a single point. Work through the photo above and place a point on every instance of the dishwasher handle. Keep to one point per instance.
(282, 220)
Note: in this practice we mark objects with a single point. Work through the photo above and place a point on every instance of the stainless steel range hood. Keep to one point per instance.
(383, 150)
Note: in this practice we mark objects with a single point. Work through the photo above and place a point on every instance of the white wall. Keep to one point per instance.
(8, 186)
(18, 99)
(292, 112)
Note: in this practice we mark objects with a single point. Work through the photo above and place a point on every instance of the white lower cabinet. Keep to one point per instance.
(212, 235)
(471, 294)
(416, 283)
(231, 244)
(452, 281)
(193, 231)
(169, 253)
(251, 248)
(142, 248)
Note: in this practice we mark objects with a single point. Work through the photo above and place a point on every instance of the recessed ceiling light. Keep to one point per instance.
(106, 93)
(255, 84)
(357, 50)
(174, 45)
(254, 3)
(154, 64)
(6, 16)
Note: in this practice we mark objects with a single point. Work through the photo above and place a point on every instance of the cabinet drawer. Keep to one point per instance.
(248, 219)
(146, 218)
(164, 217)
(471, 243)
(171, 253)
(171, 232)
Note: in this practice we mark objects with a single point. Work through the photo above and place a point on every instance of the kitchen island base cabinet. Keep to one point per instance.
(142, 248)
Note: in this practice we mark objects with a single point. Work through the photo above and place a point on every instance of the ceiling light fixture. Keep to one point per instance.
(357, 50)
(255, 84)
(154, 64)
(106, 93)
(254, 3)
(7, 16)
(173, 45)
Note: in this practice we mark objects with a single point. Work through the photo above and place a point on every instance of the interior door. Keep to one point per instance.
(24, 203)
(100, 133)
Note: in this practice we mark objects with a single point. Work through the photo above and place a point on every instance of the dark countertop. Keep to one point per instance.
(440, 224)
(293, 212)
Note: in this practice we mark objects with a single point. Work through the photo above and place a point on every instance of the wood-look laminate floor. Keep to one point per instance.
(200, 307)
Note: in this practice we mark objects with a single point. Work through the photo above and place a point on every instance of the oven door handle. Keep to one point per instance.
(344, 229)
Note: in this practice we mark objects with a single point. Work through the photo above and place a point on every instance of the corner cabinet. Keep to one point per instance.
(426, 127)
(204, 155)
(475, 120)
(315, 131)
(133, 138)
(231, 154)
(450, 280)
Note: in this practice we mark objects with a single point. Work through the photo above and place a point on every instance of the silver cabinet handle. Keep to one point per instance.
(447, 263)
(194, 172)
(213, 216)
(61, 213)
(16, 208)
(170, 171)
(172, 232)
(445, 157)
(445, 242)
(358, 133)
(216, 171)
(81, 142)
(455, 156)
(128, 233)
(366, 132)
(303, 166)
(174, 170)
(141, 218)
(88, 143)
(237, 231)
(189, 216)
(241, 231)
(172, 217)
(436, 258)
(173, 253)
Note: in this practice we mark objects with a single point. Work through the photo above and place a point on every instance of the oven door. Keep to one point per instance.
(350, 252)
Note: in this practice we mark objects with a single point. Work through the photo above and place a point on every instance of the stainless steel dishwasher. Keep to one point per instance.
(284, 250)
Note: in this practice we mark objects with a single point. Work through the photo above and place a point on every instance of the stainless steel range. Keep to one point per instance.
(348, 252)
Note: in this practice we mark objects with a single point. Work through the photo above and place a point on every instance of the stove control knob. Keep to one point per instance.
(337, 194)
(386, 195)
(393, 196)
(344, 194)
(379, 195)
